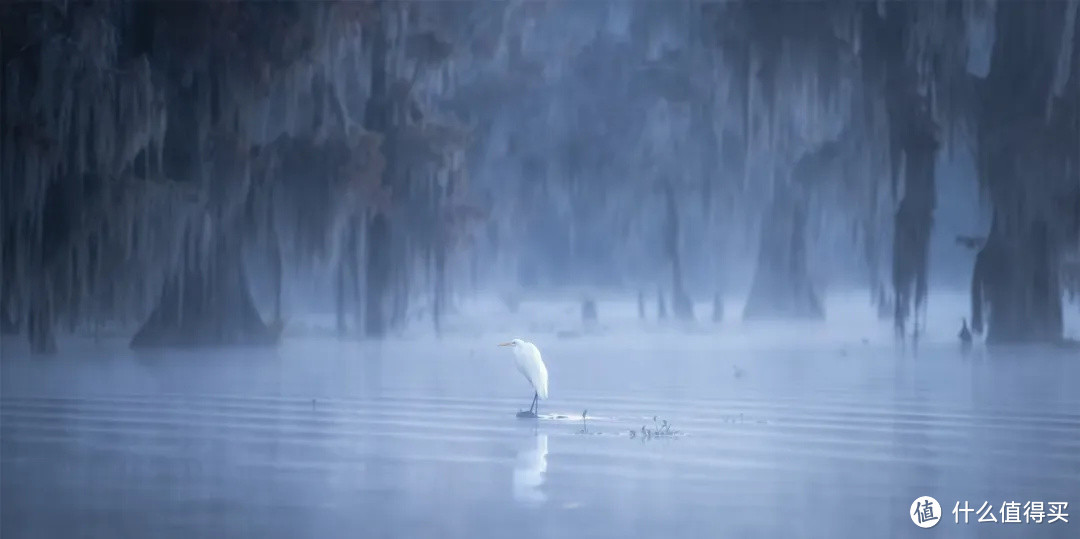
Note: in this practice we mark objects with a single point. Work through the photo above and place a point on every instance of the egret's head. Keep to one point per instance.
(514, 343)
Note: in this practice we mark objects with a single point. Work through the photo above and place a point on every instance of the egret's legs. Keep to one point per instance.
(533, 408)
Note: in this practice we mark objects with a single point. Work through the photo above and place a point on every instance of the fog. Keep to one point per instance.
(788, 267)
(783, 429)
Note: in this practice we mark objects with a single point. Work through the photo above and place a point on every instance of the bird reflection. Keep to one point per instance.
(529, 471)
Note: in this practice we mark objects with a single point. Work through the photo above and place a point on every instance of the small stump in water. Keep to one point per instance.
(525, 414)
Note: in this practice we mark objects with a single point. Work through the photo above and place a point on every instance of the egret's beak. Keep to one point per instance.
(506, 344)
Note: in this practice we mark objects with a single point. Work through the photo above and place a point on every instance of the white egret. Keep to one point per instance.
(529, 364)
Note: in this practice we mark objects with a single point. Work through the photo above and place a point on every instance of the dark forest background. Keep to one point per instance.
(164, 166)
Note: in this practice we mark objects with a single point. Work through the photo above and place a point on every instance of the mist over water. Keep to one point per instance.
(784, 429)
(256, 259)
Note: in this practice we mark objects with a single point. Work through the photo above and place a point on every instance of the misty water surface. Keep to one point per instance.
(787, 430)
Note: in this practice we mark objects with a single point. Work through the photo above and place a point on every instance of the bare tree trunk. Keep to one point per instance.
(589, 316)
(1017, 280)
(9, 322)
(358, 278)
(41, 320)
(377, 117)
(400, 276)
(378, 276)
(681, 305)
(440, 285)
(440, 239)
(782, 286)
(346, 275)
(341, 290)
(276, 271)
(206, 303)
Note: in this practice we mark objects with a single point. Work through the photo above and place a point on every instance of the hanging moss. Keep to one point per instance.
(135, 133)
(140, 141)
(1027, 155)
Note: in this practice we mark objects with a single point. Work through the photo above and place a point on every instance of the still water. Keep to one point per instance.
(777, 433)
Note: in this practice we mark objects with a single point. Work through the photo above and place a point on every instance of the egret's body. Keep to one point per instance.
(529, 363)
